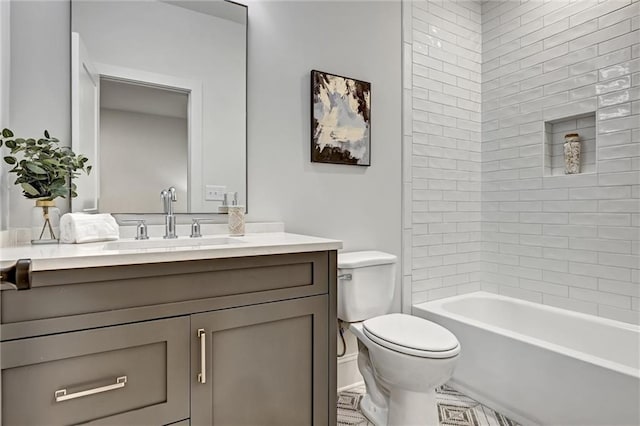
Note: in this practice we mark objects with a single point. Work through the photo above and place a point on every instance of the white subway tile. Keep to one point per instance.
(571, 304)
(625, 40)
(619, 232)
(627, 178)
(572, 33)
(619, 206)
(598, 11)
(572, 280)
(603, 219)
(602, 298)
(619, 287)
(600, 193)
(626, 315)
(544, 287)
(520, 293)
(626, 12)
(625, 261)
(604, 34)
(600, 271)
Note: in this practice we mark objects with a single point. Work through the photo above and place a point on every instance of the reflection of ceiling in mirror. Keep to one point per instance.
(131, 97)
(218, 8)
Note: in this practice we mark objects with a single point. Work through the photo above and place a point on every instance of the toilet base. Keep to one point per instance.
(373, 413)
(412, 408)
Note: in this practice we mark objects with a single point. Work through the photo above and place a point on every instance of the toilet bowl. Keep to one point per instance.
(402, 358)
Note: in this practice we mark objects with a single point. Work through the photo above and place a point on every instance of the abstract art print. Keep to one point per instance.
(340, 120)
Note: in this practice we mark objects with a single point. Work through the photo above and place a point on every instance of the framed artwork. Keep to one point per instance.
(340, 120)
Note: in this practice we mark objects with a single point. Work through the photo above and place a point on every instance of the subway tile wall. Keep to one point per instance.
(569, 241)
(480, 81)
(442, 149)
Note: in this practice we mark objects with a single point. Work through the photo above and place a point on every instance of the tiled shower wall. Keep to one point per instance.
(569, 241)
(442, 230)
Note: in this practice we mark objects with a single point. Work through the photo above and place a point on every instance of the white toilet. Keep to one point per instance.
(401, 357)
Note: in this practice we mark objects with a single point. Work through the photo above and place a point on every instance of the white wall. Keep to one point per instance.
(5, 68)
(39, 87)
(359, 205)
(441, 224)
(569, 241)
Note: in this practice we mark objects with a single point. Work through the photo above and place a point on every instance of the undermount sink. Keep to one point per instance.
(169, 243)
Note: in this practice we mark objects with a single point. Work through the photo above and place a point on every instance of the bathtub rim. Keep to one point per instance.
(436, 307)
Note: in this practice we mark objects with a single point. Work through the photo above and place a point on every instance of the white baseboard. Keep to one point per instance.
(354, 385)
(348, 374)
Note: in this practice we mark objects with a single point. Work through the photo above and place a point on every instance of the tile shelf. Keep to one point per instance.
(553, 143)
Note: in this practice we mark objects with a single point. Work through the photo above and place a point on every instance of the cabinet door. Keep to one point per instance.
(122, 375)
(263, 364)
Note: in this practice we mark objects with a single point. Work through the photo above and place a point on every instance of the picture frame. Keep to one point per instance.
(340, 119)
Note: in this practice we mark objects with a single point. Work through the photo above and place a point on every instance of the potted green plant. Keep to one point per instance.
(45, 172)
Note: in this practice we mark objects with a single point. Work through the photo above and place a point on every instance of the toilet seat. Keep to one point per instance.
(411, 336)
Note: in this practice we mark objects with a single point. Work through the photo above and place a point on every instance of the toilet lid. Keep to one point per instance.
(412, 336)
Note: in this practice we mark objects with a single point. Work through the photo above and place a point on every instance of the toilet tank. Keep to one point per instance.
(366, 284)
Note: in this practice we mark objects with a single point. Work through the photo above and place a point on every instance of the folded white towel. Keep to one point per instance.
(88, 228)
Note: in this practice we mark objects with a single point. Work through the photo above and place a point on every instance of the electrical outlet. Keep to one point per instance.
(214, 192)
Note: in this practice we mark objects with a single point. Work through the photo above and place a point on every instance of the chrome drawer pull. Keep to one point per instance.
(61, 395)
(202, 376)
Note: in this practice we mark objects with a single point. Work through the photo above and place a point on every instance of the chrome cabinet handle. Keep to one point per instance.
(202, 376)
(61, 395)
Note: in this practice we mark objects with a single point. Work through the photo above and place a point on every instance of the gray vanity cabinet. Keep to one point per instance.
(232, 341)
(261, 365)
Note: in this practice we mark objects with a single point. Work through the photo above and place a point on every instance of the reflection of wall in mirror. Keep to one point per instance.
(153, 169)
(194, 46)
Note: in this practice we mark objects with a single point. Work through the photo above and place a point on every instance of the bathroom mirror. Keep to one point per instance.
(159, 100)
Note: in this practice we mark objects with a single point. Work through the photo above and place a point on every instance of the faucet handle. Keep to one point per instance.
(141, 228)
(195, 226)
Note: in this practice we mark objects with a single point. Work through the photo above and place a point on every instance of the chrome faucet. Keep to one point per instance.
(168, 197)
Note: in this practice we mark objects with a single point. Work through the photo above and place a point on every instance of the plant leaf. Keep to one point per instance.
(46, 134)
(29, 189)
(6, 133)
(10, 160)
(36, 169)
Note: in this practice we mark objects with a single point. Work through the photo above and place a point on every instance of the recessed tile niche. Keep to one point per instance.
(554, 131)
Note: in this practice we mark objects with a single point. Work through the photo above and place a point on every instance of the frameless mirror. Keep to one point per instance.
(159, 100)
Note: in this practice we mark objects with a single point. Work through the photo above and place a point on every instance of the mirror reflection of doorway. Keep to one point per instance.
(144, 143)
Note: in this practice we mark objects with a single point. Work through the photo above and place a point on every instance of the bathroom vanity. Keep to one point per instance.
(238, 333)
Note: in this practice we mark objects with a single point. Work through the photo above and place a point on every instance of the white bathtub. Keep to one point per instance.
(542, 365)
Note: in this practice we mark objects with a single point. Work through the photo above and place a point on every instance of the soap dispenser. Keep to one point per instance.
(236, 216)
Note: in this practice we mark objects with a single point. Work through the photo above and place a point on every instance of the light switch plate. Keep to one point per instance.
(214, 192)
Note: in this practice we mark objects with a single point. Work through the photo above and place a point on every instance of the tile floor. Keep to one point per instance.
(454, 409)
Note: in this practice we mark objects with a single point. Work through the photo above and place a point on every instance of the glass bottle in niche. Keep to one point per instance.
(45, 223)
(572, 153)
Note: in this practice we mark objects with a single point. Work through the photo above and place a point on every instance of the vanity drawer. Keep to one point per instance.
(129, 374)
(190, 286)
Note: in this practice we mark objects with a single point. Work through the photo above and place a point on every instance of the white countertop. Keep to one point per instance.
(67, 256)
